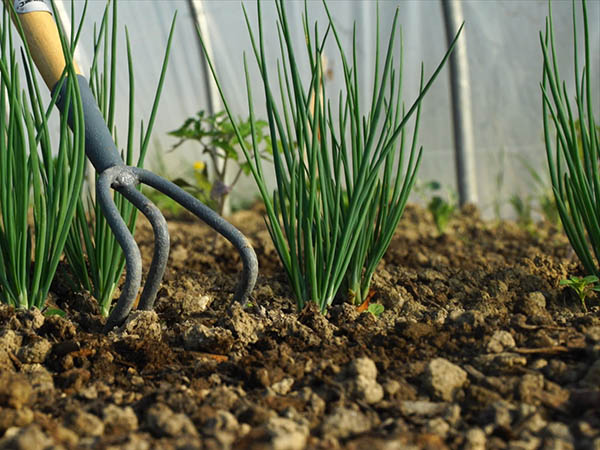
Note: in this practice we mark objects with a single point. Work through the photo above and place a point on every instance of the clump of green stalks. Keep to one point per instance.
(39, 182)
(343, 175)
(574, 152)
(93, 253)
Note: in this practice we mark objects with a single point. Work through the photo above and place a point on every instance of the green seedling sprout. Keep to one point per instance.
(343, 175)
(36, 177)
(573, 152)
(93, 253)
(583, 287)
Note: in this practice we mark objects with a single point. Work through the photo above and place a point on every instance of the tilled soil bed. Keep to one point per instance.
(478, 347)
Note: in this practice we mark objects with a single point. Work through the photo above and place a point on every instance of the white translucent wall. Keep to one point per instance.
(503, 52)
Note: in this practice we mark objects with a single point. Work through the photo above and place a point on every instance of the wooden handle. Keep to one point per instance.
(41, 34)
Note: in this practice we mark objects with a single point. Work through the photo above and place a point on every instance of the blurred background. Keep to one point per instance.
(504, 70)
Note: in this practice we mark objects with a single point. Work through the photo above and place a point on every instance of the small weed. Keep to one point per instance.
(376, 309)
(583, 286)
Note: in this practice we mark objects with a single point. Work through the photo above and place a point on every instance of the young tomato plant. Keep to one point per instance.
(216, 136)
(583, 286)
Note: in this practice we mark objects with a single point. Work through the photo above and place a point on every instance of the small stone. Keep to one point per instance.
(194, 304)
(391, 387)
(536, 299)
(534, 424)
(65, 436)
(557, 444)
(475, 439)
(283, 386)
(501, 414)
(85, 424)
(438, 426)
(162, 421)
(119, 420)
(143, 324)
(343, 423)
(527, 442)
(452, 414)
(593, 334)
(538, 364)
(285, 434)
(28, 438)
(10, 341)
(199, 337)
(500, 341)
(444, 379)
(221, 421)
(421, 408)
(15, 390)
(32, 318)
(530, 387)
(14, 418)
(363, 383)
(35, 352)
(364, 367)
(558, 430)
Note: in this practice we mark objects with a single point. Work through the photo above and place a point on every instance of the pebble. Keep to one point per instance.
(285, 434)
(28, 438)
(363, 381)
(283, 386)
(35, 352)
(143, 324)
(444, 378)
(438, 426)
(475, 439)
(500, 341)
(119, 420)
(85, 424)
(343, 423)
(162, 421)
(422, 408)
(530, 387)
(199, 337)
(15, 390)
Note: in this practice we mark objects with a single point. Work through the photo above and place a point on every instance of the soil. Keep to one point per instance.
(478, 347)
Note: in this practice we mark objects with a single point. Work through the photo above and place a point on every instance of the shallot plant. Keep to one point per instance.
(39, 182)
(344, 174)
(573, 152)
(92, 251)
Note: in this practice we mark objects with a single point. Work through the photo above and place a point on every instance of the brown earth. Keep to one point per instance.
(478, 347)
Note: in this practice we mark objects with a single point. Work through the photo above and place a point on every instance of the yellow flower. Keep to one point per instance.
(199, 166)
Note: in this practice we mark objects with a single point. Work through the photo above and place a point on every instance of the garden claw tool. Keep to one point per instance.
(41, 33)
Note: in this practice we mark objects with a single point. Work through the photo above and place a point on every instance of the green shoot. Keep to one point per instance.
(90, 235)
(574, 153)
(38, 180)
(376, 309)
(583, 286)
(343, 175)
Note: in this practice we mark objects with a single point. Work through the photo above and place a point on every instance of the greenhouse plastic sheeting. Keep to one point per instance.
(503, 53)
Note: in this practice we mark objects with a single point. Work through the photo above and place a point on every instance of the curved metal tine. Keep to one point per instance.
(161, 243)
(133, 259)
(212, 219)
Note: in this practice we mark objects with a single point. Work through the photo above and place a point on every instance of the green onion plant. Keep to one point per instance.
(39, 182)
(344, 174)
(92, 251)
(574, 153)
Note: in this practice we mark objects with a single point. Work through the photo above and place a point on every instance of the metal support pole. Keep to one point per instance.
(460, 90)
(212, 93)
